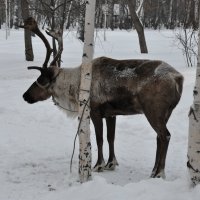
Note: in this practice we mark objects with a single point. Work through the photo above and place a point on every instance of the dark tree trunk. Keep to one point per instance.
(53, 27)
(138, 26)
(81, 25)
(110, 14)
(27, 34)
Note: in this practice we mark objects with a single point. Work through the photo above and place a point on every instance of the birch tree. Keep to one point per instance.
(16, 14)
(110, 14)
(7, 18)
(6, 14)
(69, 15)
(193, 163)
(170, 14)
(196, 10)
(85, 158)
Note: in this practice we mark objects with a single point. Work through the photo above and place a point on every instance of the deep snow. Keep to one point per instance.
(36, 141)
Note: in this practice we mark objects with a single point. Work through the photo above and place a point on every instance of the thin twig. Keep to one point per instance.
(77, 134)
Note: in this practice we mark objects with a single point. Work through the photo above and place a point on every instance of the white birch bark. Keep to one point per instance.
(110, 14)
(15, 16)
(194, 129)
(85, 157)
(6, 12)
(196, 10)
(188, 8)
(170, 12)
(105, 18)
(9, 17)
(69, 13)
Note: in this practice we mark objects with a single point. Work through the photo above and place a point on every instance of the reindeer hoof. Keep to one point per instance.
(111, 165)
(99, 167)
(161, 174)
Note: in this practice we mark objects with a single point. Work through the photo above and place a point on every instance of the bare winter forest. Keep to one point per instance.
(110, 14)
(70, 13)
(37, 141)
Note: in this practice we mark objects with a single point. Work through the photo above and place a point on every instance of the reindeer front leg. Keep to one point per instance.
(112, 162)
(98, 125)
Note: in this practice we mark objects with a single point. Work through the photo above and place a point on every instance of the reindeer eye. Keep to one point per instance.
(43, 80)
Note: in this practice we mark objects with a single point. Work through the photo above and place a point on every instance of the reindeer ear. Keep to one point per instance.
(53, 71)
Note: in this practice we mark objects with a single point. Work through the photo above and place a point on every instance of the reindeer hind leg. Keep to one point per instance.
(158, 122)
(161, 152)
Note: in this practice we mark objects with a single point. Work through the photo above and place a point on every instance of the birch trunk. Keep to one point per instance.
(16, 16)
(85, 158)
(193, 163)
(170, 13)
(110, 14)
(68, 15)
(6, 12)
(188, 8)
(121, 15)
(196, 10)
(8, 18)
(105, 18)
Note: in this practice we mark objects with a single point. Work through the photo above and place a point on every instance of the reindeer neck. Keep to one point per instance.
(65, 90)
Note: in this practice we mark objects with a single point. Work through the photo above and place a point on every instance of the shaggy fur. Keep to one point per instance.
(118, 80)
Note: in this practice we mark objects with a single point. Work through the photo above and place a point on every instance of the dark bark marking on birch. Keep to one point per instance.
(192, 112)
(195, 92)
(86, 154)
(89, 144)
(191, 167)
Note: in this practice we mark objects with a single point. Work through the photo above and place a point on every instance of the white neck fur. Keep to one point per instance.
(65, 90)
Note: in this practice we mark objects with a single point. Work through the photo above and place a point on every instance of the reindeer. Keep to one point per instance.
(118, 87)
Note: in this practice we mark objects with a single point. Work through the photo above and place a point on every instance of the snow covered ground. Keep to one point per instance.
(36, 141)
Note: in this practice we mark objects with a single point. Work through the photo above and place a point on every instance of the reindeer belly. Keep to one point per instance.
(123, 106)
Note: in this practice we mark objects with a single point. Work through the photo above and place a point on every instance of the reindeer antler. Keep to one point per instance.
(31, 25)
(58, 36)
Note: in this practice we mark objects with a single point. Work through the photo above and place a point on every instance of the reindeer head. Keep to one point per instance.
(40, 89)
